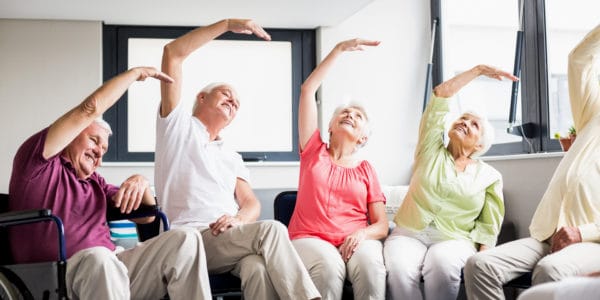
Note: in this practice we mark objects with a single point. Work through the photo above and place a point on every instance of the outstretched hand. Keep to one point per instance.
(145, 72)
(356, 44)
(246, 26)
(495, 73)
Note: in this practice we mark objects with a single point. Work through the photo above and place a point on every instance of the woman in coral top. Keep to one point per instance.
(339, 217)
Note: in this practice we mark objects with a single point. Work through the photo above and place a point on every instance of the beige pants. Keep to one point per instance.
(486, 271)
(262, 255)
(365, 269)
(172, 263)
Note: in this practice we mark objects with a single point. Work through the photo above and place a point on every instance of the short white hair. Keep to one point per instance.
(354, 104)
(104, 125)
(209, 88)
(487, 133)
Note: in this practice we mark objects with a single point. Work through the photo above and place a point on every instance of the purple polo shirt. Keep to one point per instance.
(81, 204)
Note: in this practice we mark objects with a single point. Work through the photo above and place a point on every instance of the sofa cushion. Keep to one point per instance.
(394, 195)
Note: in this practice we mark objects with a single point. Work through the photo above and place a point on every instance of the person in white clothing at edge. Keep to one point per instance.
(201, 183)
(576, 287)
(565, 229)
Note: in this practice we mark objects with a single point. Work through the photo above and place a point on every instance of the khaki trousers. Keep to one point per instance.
(172, 263)
(262, 255)
(486, 271)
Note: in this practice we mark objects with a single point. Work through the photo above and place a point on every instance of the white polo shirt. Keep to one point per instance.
(195, 178)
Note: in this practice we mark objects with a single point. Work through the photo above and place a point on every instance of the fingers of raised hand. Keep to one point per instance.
(368, 42)
(260, 32)
(496, 73)
(245, 26)
(357, 44)
(145, 72)
(163, 77)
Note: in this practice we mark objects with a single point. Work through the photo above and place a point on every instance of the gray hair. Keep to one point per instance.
(487, 133)
(366, 129)
(104, 125)
(209, 88)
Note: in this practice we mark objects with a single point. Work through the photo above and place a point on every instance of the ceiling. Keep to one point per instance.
(268, 13)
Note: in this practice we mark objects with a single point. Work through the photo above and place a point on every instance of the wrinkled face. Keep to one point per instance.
(467, 131)
(350, 121)
(222, 101)
(86, 150)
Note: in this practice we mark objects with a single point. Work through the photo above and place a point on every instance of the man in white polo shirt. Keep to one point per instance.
(203, 184)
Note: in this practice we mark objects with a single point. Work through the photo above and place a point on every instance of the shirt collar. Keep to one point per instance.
(218, 141)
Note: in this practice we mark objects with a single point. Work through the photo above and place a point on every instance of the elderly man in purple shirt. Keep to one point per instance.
(55, 168)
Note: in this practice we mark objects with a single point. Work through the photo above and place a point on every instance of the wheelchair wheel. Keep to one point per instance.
(7, 290)
(11, 287)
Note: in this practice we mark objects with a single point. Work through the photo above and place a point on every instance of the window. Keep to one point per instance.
(474, 32)
(468, 34)
(267, 76)
(567, 22)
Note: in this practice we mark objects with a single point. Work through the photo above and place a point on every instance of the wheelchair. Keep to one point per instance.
(46, 280)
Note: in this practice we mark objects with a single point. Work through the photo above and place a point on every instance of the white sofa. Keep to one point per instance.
(394, 195)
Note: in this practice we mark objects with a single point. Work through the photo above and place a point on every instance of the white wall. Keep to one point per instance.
(389, 79)
(47, 67)
(525, 180)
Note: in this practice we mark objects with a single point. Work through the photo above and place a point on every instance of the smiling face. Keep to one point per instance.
(467, 131)
(220, 103)
(350, 122)
(86, 150)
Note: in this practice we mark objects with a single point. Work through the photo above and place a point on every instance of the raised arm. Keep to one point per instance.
(450, 87)
(307, 111)
(64, 130)
(584, 92)
(178, 50)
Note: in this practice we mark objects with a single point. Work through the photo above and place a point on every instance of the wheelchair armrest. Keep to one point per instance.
(114, 213)
(9, 218)
(33, 216)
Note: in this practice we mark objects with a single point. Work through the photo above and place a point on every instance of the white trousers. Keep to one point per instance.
(410, 256)
(173, 263)
(568, 288)
(365, 269)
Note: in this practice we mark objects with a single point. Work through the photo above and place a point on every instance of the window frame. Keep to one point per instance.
(115, 49)
(534, 79)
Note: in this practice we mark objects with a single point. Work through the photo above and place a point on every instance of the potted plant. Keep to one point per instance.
(566, 142)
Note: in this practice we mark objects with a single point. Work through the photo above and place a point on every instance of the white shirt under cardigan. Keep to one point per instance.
(195, 178)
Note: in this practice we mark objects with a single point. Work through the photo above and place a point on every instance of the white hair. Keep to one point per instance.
(104, 125)
(209, 88)
(354, 104)
(487, 133)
